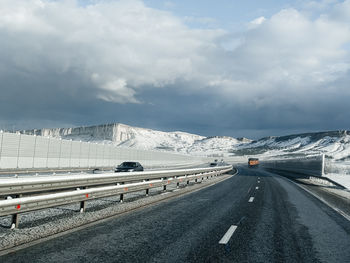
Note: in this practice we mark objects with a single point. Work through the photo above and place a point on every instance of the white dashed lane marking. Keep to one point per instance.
(224, 240)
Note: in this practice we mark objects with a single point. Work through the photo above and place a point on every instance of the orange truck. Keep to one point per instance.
(253, 162)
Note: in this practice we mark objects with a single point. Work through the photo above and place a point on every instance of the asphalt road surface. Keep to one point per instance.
(254, 216)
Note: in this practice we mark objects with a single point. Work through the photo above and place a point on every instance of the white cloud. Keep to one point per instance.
(319, 5)
(256, 22)
(169, 4)
(289, 55)
(122, 46)
(125, 43)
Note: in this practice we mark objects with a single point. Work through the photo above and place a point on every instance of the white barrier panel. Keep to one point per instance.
(54, 153)
(26, 151)
(19, 151)
(9, 150)
(65, 153)
(75, 154)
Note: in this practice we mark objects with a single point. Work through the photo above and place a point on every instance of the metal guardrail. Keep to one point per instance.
(39, 184)
(100, 185)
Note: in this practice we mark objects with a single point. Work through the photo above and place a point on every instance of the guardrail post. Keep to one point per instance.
(164, 186)
(14, 217)
(82, 204)
(15, 221)
(121, 199)
(177, 184)
(147, 190)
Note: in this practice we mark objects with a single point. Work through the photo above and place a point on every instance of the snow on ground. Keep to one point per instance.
(343, 179)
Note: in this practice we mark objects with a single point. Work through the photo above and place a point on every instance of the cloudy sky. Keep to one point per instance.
(221, 67)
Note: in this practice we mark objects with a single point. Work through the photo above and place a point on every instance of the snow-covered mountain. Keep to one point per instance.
(141, 138)
(335, 144)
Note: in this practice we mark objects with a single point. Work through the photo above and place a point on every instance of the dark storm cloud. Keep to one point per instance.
(63, 64)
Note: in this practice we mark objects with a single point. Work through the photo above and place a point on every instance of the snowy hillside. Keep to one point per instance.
(128, 136)
(335, 144)
(216, 145)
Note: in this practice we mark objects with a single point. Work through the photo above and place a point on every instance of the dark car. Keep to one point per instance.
(129, 167)
(213, 164)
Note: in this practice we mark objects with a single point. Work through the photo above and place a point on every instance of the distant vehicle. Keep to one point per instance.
(129, 167)
(213, 164)
(96, 170)
(253, 162)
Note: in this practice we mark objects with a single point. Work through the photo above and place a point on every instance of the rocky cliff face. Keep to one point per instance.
(114, 132)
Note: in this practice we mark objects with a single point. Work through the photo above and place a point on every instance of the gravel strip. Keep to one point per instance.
(44, 223)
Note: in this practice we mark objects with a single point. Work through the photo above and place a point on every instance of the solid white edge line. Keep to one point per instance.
(318, 197)
(224, 240)
(325, 202)
(251, 199)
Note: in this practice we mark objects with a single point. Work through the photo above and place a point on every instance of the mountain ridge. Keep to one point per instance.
(335, 144)
(128, 136)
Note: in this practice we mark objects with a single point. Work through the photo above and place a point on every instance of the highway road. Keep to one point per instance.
(254, 216)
